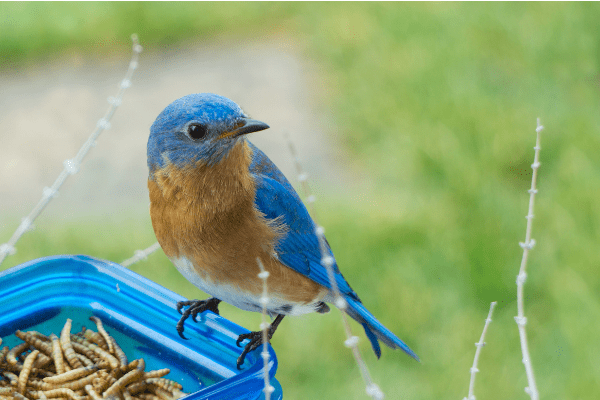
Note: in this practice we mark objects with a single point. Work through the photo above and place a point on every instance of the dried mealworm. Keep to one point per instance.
(102, 382)
(157, 373)
(71, 375)
(57, 355)
(164, 383)
(120, 354)
(11, 356)
(162, 393)
(14, 379)
(82, 349)
(80, 383)
(103, 332)
(112, 361)
(146, 396)
(132, 365)
(6, 391)
(126, 395)
(19, 396)
(42, 361)
(84, 360)
(137, 387)
(120, 384)
(24, 375)
(95, 338)
(65, 342)
(3, 353)
(35, 342)
(61, 392)
(92, 393)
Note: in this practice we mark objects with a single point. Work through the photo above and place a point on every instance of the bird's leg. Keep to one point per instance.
(256, 339)
(195, 308)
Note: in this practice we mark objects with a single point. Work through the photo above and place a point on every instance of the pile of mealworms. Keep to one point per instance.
(87, 365)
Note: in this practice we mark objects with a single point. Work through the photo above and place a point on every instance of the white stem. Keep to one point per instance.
(139, 255)
(264, 326)
(479, 345)
(351, 341)
(520, 319)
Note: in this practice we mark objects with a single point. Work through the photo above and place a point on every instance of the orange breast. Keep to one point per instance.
(207, 215)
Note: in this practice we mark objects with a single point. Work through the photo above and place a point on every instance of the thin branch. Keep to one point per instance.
(327, 261)
(139, 255)
(479, 345)
(264, 326)
(520, 319)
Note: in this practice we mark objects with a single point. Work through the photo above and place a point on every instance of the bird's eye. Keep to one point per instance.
(196, 131)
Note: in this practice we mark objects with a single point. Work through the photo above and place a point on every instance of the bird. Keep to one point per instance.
(218, 204)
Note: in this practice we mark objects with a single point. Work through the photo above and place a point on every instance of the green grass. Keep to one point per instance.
(437, 103)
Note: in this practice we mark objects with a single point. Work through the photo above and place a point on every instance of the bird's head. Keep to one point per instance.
(197, 127)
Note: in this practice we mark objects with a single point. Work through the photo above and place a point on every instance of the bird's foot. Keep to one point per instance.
(256, 339)
(195, 307)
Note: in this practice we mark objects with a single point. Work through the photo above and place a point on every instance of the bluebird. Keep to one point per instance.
(218, 204)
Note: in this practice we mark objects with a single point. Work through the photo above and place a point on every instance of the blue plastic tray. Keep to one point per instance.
(140, 314)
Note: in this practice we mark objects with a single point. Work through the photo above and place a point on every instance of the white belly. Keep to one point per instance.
(236, 297)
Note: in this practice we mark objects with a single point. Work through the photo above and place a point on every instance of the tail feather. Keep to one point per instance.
(375, 329)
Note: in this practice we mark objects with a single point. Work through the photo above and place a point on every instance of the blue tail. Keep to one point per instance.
(375, 330)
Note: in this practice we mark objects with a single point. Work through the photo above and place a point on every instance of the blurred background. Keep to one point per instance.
(416, 124)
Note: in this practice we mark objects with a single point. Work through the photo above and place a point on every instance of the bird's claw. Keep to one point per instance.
(255, 339)
(195, 307)
(255, 342)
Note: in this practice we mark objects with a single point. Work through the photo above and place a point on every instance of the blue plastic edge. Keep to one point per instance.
(248, 384)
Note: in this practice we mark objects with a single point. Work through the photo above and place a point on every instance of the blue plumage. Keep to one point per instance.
(300, 249)
(200, 132)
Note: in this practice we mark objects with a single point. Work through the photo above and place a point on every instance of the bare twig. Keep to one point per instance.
(264, 326)
(139, 255)
(479, 345)
(327, 261)
(520, 319)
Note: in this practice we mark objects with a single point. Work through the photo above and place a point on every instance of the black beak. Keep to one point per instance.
(247, 125)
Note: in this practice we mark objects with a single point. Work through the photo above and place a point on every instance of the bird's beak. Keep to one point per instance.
(247, 125)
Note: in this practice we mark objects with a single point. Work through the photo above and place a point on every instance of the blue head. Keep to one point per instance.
(196, 127)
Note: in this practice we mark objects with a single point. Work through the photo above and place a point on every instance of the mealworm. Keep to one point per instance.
(137, 387)
(163, 383)
(12, 377)
(3, 353)
(95, 338)
(71, 375)
(11, 356)
(61, 392)
(57, 355)
(84, 360)
(162, 393)
(80, 383)
(146, 396)
(65, 342)
(157, 373)
(103, 332)
(83, 350)
(19, 396)
(24, 375)
(90, 390)
(112, 361)
(120, 384)
(35, 342)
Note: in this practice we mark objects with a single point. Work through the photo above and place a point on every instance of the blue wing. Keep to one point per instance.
(299, 249)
